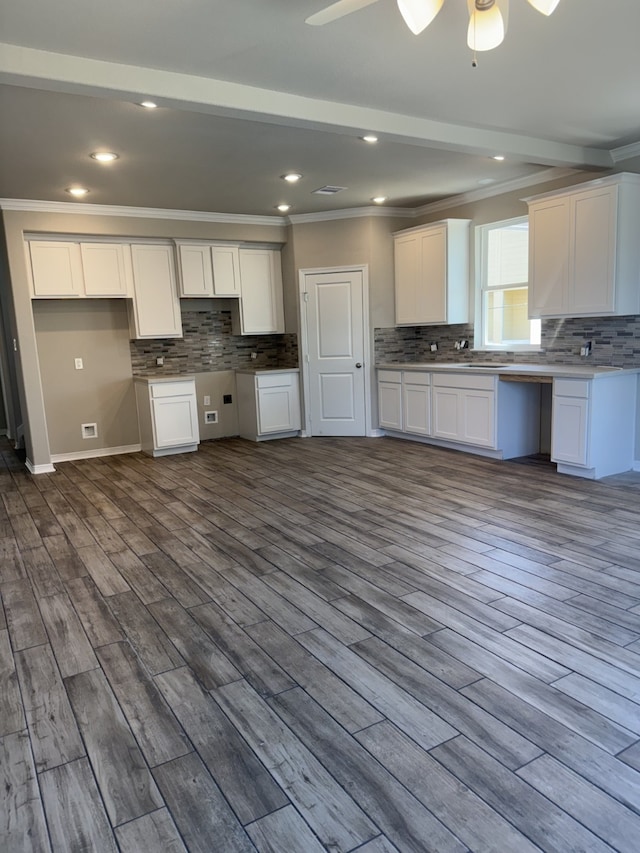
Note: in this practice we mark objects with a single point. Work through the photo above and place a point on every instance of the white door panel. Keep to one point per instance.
(334, 304)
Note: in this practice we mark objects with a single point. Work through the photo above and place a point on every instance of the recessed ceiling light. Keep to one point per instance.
(104, 156)
(291, 177)
(379, 199)
(149, 105)
(77, 191)
(283, 208)
(498, 156)
(370, 138)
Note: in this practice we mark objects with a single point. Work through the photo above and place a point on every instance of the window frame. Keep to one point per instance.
(481, 240)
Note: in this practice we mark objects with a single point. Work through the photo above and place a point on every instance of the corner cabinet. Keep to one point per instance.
(432, 273)
(167, 414)
(268, 404)
(584, 252)
(155, 312)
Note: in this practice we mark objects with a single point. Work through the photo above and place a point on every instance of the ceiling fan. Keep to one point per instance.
(487, 18)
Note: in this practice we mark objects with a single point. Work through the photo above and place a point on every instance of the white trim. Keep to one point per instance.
(40, 206)
(367, 341)
(39, 469)
(496, 189)
(636, 465)
(96, 453)
(625, 152)
(377, 433)
(352, 213)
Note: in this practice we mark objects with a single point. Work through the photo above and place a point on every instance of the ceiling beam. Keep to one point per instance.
(77, 75)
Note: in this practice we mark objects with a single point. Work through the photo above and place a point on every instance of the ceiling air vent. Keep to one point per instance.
(328, 190)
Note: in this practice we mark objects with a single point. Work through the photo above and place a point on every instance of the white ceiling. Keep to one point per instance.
(248, 91)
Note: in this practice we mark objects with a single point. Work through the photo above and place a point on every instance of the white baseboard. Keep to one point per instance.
(96, 453)
(39, 469)
(376, 433)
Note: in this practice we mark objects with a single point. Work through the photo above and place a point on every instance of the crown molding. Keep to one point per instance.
(352, 213)
(495, 189)
(625, 152)
(39, 206)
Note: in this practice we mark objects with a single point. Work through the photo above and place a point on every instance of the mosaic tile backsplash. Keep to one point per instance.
(208, 344)
(616, 343)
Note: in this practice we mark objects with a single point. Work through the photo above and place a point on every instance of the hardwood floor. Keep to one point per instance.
(326, 644)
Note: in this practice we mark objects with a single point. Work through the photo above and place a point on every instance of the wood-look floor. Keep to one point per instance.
(326, 644)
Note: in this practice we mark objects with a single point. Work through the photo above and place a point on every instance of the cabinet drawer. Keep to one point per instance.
(171, 389)
(278, 380)
(572, 388)
(416, 377)
(463, 380)
(389, 376)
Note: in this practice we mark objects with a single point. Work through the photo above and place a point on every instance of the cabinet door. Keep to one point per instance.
(107, 269)
(390, 405)
(278, 409)
(226, 270)
(477, 418)
(593, 251)
(549, 236)
(446, 417)
(261, 303)
(417, 408)
(56, 268)
(175, 421)
(407, 274)
(431, 295)
(196, 276)
(569, 423)
(156, 305)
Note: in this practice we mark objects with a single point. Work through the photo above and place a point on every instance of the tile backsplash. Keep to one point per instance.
(616, 343)
(208, 344)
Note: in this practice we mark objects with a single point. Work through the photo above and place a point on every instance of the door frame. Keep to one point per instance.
(304, 342)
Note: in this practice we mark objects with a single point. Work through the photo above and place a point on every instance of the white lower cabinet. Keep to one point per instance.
(167, 414)
(593, 425)
(404, 401)
(268, 404)
(464, 409)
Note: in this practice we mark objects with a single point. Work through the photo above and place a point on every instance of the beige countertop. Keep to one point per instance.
(577, 371)
(181, 377)
(255, 371)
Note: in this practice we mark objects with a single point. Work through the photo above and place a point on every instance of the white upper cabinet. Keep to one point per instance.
(584, 252)
(107, 269)
(432, 274)
(56, 269)
(208, 270)
(261, 307)
(156, 307)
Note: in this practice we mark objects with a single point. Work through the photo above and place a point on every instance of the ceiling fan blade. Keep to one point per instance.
(337, 10)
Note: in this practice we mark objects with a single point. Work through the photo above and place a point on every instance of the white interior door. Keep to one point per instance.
(334, 304)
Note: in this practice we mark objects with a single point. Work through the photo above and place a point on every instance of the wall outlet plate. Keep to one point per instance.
(211, 417)
(89, 430)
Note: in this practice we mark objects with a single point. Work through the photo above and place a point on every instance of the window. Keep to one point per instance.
(502, 320)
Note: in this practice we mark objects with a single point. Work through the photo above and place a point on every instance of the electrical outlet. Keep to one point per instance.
(433, 347)
(206, 400)
(254, 355)
(160, 361)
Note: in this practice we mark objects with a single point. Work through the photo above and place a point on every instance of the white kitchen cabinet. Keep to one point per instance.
(464, 409)
(261, 305)
(390, 399)
(593, 425)
(56, 269)
(107, 269)
(207, 270)
(432, 273)
(167, 414)
(268, 404)
(156, 307)
(416, 400)
(584, 254)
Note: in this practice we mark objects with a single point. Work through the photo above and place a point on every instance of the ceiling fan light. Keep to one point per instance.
(418, 14)
(544, 6)
(487, 26)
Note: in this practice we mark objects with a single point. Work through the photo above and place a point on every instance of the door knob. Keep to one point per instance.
(358, 364)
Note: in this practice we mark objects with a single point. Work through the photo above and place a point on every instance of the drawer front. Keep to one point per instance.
(572, 388)
(172, 389)
(416, 377)
(275, 380)
(389, 376)
(464, 380)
